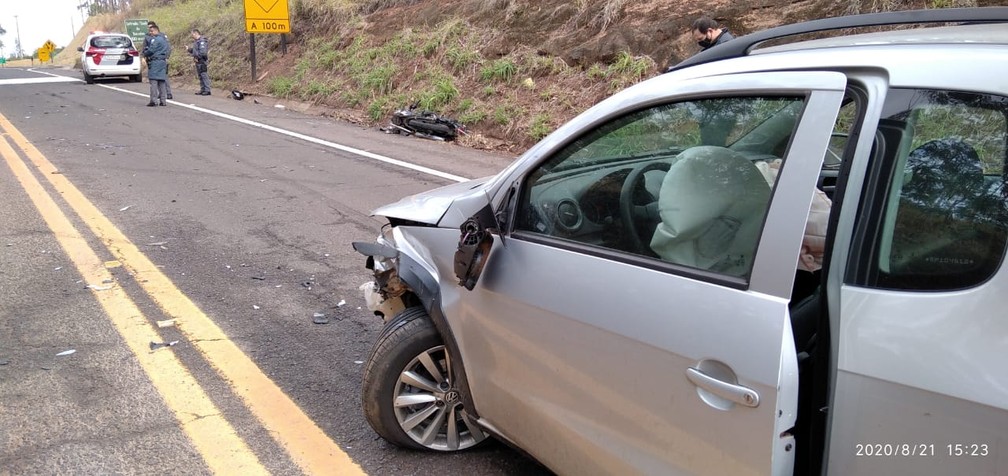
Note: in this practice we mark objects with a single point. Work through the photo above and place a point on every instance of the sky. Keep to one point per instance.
(39, 20)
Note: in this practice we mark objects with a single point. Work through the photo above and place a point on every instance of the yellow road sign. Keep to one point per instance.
(267, 16)
(43, 55)
(49, 46)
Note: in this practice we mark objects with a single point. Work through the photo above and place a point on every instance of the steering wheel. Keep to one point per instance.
(632, 214)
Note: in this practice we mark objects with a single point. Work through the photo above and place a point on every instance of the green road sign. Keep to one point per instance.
(3, 60)
(136, 28)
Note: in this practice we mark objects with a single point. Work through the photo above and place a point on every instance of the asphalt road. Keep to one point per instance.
(117, 216)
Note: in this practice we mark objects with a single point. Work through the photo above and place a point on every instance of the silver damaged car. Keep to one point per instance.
(780, 259)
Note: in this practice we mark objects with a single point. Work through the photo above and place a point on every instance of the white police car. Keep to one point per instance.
(109, 55)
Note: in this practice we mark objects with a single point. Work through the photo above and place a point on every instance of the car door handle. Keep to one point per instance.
(726, 390)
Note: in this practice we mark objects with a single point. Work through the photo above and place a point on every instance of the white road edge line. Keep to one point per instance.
(297, 135)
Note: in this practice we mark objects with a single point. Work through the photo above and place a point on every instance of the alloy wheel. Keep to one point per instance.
(429, 408)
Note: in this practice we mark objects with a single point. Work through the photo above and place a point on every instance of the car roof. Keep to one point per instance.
(95, 35)
(992, 30)
(978, 34)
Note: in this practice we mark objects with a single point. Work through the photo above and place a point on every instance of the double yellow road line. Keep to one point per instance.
(210, 432)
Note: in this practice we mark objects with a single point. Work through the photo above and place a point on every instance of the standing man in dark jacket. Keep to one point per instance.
(200, 50)
(147, 40)
(157, 66)
(709, 34)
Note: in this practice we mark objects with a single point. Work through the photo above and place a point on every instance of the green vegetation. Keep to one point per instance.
(281, 86)
(316, 90)
(540, 126)
(472, 117)
(441, 94)
(378, 81)
(504, 114)
(502, 70)
(461, 58)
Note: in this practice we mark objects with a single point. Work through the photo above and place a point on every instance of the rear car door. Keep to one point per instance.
(921, 385)
(661, 345)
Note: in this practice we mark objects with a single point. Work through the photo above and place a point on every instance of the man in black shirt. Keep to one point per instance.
(709, 34)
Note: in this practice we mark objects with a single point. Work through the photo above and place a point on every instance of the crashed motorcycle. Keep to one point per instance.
(425, 124)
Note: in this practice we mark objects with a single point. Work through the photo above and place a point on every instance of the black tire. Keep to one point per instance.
(136, 78)
(411, 342)
(88, 78)
(432, 127)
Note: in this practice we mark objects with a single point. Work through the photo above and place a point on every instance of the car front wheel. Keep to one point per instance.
(409, 394)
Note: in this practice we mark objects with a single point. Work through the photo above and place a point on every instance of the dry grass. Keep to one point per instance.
(611, 12)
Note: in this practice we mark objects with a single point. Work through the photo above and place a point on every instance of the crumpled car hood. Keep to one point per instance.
(430, 206)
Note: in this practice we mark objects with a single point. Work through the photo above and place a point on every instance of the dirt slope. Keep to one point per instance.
(592, 34)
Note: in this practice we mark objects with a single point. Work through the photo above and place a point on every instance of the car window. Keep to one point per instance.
(111, 42)
(945, 221)
(687, 183)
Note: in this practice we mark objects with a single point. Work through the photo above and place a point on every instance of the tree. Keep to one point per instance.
(2, 33)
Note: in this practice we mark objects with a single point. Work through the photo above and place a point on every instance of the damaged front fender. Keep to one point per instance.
(429, 207)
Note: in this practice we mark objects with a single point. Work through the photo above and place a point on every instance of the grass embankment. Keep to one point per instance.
(508, 101)
(517, 98)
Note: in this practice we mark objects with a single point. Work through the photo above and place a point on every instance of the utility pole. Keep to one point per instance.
(19, 48)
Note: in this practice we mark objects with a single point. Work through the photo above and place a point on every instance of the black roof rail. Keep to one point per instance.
(742, 45)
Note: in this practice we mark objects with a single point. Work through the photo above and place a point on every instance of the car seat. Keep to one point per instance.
(949, 229)
(711, 203)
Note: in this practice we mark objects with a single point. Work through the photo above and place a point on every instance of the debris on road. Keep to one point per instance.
(166, 323)
(259, 278)
(256, 307)
(127, 207)
(320, 318)
(97, 287)
(158, 345)
(341, 303)
(66, 352)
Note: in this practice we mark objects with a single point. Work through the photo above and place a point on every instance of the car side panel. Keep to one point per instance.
(622, 359)
(893, 429)
(922, 369)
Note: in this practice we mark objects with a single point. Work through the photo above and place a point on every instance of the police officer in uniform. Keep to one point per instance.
(147, 42)
(199, 51)
(157, 66)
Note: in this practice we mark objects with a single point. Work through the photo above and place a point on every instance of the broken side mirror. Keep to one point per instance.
(475, 242)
